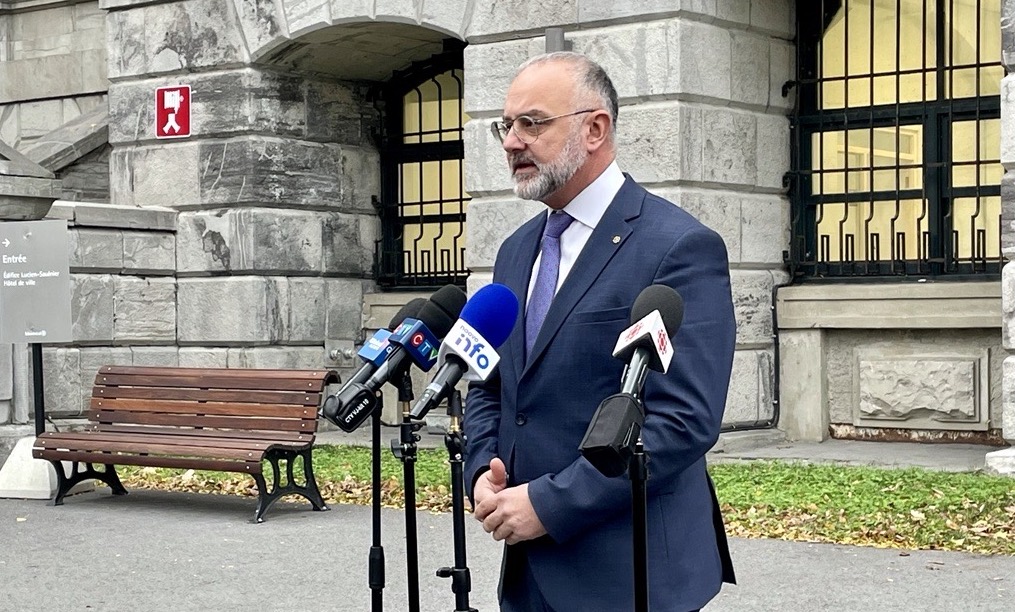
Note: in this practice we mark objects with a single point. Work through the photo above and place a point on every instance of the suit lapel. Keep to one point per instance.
(609, 235)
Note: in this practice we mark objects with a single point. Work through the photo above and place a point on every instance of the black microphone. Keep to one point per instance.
(374, 352)
(415, 340)
(646, 344)
(470, 350)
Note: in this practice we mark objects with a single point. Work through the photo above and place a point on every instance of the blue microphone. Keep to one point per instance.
(469, 352)
(376, 349)
(435, 317)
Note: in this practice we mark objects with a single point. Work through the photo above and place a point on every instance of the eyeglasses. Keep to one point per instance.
(526, 128)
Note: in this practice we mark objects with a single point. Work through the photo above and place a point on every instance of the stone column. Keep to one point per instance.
(1003, 461)
(276, 225)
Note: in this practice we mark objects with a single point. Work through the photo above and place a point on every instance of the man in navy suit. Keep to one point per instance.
(578, 268)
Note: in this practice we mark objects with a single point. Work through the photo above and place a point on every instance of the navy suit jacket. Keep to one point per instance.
(534, 412)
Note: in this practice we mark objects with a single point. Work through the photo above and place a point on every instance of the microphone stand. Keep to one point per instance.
(454, 440)
(376, 558)
(638, 472)
(404, 449)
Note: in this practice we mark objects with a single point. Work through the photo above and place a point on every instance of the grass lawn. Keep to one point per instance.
(867, 506)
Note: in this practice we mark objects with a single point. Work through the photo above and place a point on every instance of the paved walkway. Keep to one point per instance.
(157, 551)
(163, 551)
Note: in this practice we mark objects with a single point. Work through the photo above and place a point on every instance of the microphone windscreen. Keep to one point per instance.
(409, 311)
(441, 311)
(664, 299)
(492, 312)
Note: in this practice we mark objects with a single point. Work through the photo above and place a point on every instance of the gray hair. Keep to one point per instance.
(591, 78)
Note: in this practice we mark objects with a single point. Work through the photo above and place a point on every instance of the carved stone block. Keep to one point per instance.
(910, 389)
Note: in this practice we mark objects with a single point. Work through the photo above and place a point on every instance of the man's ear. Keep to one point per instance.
(600, 127)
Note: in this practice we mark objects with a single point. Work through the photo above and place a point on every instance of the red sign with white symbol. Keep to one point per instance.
(172, 112)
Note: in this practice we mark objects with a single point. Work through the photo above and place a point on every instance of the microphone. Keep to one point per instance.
(414, 339)
(470, 351)
(646, 344)
(657, 313)
(373, 352)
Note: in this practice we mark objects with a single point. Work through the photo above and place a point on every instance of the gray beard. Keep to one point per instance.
(550, 177)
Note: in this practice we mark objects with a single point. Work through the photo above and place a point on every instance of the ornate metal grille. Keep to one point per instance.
(423, 198)
(896, 139)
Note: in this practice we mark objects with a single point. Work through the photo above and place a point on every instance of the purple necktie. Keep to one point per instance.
(546, 277)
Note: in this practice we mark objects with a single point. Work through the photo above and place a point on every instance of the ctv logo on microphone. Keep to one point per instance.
(474, 351)
(420, 343)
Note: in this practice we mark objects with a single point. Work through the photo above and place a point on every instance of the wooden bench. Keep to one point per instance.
(198, 418)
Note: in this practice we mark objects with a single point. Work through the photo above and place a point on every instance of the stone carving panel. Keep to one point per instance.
(921, 391)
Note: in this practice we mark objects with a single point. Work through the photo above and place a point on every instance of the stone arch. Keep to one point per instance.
(305, 31)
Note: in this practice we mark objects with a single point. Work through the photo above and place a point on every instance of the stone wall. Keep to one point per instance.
(52, 67)
(272, 194)
(276, 222)
(703, 123)
(1004, 461)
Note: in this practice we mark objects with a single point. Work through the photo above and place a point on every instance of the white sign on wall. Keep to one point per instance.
(35, 284)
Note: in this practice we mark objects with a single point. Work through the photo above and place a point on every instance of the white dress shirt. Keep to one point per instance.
(587, 208)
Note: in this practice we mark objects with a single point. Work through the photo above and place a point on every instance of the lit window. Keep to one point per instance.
(897, 139)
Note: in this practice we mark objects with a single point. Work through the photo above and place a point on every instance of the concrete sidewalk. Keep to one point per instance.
(163, 551)
(157, 551)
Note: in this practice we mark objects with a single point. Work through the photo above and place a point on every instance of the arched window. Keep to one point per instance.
(423, 198)
(897, 139)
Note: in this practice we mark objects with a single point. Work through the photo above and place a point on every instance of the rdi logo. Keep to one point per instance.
(662, 340)
(472, 347)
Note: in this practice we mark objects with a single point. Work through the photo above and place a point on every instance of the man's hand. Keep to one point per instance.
(489, 483)
(509, 515)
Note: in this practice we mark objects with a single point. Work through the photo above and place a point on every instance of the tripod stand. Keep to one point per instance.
(375, 576)
(404, 449)
(454, 440)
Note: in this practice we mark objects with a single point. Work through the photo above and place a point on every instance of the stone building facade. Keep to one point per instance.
(252, 243)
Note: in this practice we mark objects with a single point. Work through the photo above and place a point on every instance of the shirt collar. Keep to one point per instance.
(589, 206)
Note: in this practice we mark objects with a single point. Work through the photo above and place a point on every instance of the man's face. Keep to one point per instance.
(546, 164)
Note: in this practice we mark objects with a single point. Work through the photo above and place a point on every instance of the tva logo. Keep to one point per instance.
(473, 347)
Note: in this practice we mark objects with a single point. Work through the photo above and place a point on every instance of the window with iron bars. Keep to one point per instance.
(423, 199)
(896, 139)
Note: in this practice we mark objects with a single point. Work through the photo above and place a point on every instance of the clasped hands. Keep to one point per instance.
(506, 512)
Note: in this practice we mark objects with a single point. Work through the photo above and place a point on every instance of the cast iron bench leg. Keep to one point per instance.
(309, 490)
(66, 483)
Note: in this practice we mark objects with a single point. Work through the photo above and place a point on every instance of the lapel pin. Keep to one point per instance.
(616, 240)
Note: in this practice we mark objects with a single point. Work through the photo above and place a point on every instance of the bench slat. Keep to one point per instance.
(147, 438)
(207, 381)
(188, 420)
(286, 411)
(255, 373)
(150, 461)
(279, 437)
(210, 395)
(144, 448)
